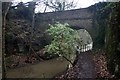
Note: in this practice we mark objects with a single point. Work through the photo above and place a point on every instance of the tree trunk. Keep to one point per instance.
(32, 27)
(67, 60)
(76, 59)
(3, 37)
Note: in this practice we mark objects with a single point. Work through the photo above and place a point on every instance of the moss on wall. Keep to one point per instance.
(113, 40)
(100, 21)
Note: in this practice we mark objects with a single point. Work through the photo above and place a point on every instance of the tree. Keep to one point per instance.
(59, 5)
(65, 40)
(32, 10)
(5, 9)
(23, 10)
(32, 7)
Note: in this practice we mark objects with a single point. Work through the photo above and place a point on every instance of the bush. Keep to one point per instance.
(64, 40)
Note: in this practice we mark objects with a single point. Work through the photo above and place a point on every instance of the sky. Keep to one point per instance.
(78, 3)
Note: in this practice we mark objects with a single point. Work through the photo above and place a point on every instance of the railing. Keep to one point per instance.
(84, 48)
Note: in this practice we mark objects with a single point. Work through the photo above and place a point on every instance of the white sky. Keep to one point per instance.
(78, 3)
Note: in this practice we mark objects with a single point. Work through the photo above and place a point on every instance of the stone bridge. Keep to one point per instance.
(78, 19)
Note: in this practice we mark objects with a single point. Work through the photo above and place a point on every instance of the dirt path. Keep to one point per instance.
(84, 68)
(86, 65)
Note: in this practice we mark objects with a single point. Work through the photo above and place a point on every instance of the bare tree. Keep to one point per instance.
(59, 5)
(5, 9)
(32, 7)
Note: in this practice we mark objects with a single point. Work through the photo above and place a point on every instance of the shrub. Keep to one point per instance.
(64, 42)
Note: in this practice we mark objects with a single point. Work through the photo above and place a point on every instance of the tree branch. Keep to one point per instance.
(67, 60)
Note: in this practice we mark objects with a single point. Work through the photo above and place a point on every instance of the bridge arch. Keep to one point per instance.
(87, 42)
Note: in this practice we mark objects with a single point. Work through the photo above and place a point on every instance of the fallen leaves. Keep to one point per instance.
(101, 65)
(14, 61)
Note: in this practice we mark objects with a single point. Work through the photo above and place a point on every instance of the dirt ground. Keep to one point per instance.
(91, 64)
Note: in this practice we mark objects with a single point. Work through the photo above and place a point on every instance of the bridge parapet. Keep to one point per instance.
(83, 13)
